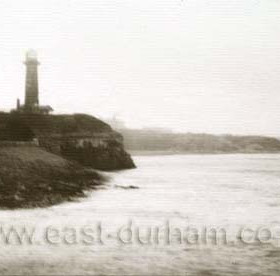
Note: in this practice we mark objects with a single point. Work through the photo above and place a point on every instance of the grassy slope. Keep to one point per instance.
(32, 177)
(17, 126)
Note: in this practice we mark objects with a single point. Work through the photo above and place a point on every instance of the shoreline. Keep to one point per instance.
(155, 152)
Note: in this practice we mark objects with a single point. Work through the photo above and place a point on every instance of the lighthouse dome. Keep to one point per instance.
(31, 54)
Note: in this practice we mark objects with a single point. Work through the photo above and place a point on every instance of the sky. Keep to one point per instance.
(186, 65)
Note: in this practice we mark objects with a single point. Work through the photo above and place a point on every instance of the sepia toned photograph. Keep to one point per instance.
(140, 137)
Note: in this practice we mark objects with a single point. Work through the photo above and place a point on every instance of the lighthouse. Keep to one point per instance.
(31, 104)
(31, 81)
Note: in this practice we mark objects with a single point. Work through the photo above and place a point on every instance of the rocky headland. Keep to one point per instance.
(79, 137)
(49, 159)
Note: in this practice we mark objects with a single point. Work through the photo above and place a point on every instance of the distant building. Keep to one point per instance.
(31, 104)
(115, 123)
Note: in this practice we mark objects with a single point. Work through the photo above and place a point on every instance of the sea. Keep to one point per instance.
(173, 215)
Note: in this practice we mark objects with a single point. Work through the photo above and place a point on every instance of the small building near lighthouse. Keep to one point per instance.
(31, 104)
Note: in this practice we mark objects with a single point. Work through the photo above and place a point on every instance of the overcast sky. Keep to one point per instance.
(188, 65)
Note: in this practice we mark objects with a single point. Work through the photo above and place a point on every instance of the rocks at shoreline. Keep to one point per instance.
(130, 187)
(32, 177)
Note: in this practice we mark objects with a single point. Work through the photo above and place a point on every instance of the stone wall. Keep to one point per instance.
(34, 143)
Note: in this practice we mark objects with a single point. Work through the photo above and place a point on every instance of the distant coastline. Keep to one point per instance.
(153, 141)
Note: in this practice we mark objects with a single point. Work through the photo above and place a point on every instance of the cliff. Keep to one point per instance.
(33, 177)
(77, 137)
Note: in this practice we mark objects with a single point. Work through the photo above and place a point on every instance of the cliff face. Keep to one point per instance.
(78, 137)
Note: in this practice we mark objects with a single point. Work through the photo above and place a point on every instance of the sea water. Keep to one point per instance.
(157, 219)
